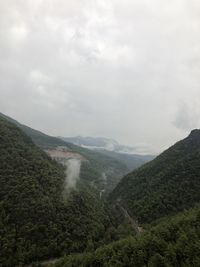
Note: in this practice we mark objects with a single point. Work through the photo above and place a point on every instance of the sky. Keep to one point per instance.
(122, 69)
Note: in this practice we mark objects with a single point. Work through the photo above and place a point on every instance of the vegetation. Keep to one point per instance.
(172, 242)
(36, 220)
(132, 161)
(166, 185)
(92, 170)
(99, 165)
(111, 148)
(40, 220)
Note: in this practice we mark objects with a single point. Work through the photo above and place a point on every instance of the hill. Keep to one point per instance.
(113, 149)
(37, 219)
(172, 242)
(132, 161)
(166, 185)
(102, 171)
(42, 140)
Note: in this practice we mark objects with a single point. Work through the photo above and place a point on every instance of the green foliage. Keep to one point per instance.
(98, 165)
(173, 242)
(166, 185)
(40, 139)
(35, 220)
(38, 220)
(132, 161)
(91, 170)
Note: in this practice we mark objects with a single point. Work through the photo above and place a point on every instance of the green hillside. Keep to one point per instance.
(173, 242)
(132, 161)
(36, 220)
(165, 193)
(166, 185)
(40, 220)
(40, 139)
(92, 170)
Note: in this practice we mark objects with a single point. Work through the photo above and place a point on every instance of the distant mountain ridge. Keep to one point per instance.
(111, 148)
(113, 165)
(92, 170)
(100, 143)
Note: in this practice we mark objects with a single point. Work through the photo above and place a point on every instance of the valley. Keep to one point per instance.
(64, 205)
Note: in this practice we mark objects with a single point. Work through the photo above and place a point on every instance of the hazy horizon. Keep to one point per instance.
(126, 70)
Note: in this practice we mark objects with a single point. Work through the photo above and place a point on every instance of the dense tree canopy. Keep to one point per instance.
(36, 221)
(166, 185)
(92, 170)
(172, 242)
(39, 219)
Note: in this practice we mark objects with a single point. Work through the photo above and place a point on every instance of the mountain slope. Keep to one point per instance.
(40, 139)
(132, 161)
(93, 170)
(168, 184)
(36, 220)
(173, 242)
(111, 148)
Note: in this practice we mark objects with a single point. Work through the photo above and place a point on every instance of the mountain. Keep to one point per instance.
(93, 142)
(166, 185)
(102, 171)
(111, 148)
(40, 139)
(154, 209)
(39, 218)
(172, 242)
(132, 161)
(99, 143)
(163, 196)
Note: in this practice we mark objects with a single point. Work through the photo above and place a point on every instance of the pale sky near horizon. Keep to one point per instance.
(128, 70)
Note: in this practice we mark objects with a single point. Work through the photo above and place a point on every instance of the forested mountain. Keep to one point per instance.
(40, 219)
(113, 149)
(166, 185)
(40, 139)
(96, 167)
(165, 193)
(173, 242)
(132, 161)
(37, 220)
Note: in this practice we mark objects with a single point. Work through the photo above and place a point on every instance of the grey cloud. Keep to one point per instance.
(94, 67)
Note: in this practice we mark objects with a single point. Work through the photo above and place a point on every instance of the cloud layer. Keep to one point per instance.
(127, 69)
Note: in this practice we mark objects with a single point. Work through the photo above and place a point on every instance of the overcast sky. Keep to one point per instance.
(124, 69)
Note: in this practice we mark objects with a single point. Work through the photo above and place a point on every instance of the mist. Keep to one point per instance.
(72, 173)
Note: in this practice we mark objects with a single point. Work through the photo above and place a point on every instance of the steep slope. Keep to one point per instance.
(173, 242)
(168, 184)
(111, 148)
(103, 171)
(132, 161)
(40, 139)
(36, 220)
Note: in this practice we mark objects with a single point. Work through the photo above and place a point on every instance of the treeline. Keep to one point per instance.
(168, 184)
(36, 221)
(92, 170)
(172, 242)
